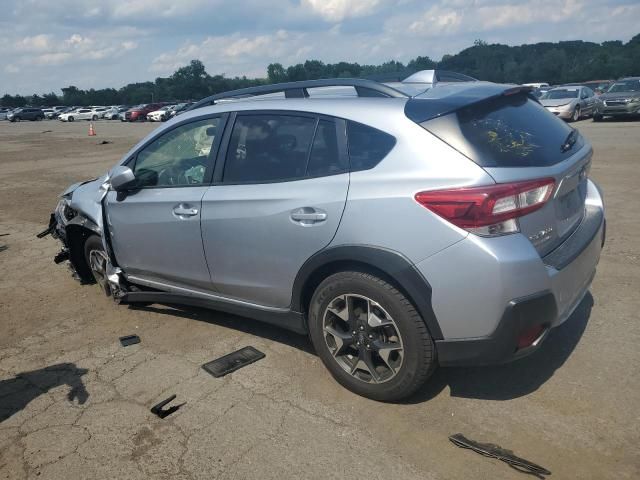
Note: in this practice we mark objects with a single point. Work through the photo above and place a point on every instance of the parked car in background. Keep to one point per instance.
(53, 112)
(160, 115)
(79, 114)
(622, 99)
(458, 226)
(25, 113)
(180, 108)
(598, 86)
(570, 102)
(100, 111)
(139, 113)
(113, 113)
(3, 113)
(536, 85)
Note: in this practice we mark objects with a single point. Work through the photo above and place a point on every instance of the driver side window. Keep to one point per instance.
(179, 157)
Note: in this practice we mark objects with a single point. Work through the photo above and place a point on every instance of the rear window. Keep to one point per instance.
(367, 146)
(513, 131)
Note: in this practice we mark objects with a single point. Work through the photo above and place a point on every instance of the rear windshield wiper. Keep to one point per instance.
(570, 141)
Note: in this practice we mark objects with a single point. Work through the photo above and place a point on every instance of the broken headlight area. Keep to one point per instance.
(64, 213)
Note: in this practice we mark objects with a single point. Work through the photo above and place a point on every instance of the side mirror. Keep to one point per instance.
(122, 178)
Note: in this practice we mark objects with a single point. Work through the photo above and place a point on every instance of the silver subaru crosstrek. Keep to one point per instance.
(456, 225)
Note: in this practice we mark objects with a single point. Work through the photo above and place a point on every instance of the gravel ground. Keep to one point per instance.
(74, 404)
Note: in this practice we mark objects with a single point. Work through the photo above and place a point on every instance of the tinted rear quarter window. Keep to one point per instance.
(367, 145)
(513, 131)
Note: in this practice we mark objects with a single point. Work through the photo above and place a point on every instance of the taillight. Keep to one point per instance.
(491, 210)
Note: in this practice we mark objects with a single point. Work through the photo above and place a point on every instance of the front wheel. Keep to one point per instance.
(370, 336)
(576, 115)
(70, 119)
(597, 117)
(94, 118)
(96, 258)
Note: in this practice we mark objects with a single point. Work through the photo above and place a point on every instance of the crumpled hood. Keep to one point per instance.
(557, 102)
(86, 197)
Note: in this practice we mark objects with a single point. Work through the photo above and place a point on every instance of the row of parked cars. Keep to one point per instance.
(155, 112)
(620, 98)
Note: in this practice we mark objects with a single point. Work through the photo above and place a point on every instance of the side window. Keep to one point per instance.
(179, 157)
(325, 158)
(367, 146)
(268, 147)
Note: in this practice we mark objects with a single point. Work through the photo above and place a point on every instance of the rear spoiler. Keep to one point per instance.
(448, 99)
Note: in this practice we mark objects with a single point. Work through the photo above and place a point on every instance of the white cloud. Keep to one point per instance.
(37, 43)
(233, 55)
(111, 43)
(338, 10)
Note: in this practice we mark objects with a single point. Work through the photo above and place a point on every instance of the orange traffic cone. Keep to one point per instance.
(92, 132)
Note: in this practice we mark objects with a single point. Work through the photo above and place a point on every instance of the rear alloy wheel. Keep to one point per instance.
(96, 258)
(576, 115)
(370, 336)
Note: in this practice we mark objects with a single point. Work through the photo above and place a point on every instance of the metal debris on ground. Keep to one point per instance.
(158, 408)
(233, 361)
(495, 451)
(129, 340)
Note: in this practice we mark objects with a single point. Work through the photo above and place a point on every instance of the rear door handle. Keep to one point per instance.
(307, 215)
(185, 210)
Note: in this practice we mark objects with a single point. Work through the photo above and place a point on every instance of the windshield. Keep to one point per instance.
(626, 86)
(560, 93)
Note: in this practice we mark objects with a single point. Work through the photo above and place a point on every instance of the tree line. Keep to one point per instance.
(555, 63)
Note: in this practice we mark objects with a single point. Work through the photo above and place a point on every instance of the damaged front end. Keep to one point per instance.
(79, 215)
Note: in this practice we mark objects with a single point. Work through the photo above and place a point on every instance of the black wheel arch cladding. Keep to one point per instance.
(392, 264)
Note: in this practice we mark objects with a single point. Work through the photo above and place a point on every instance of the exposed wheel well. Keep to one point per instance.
(76, 236)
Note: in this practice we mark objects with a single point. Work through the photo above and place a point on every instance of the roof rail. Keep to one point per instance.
(364, 88)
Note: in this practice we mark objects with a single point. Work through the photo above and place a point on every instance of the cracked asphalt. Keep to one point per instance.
(75, 404)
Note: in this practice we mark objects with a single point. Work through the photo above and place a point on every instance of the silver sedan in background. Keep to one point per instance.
(570, 102)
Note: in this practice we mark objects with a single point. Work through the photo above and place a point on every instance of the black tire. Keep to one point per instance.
(94, 118)
(71, 119)
(418, 351)
(94, 244)
(597, 117)
(575, 116)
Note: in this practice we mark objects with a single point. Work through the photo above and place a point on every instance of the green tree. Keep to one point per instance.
(276, 73)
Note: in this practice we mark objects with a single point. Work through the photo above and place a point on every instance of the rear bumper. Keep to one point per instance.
(505, 290)
(501, 346)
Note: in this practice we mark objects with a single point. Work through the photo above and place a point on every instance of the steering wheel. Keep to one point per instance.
(171, 176)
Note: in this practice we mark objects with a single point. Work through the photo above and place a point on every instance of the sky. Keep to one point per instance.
(49, 44)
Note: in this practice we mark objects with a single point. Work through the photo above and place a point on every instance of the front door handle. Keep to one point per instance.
(185, 210)
(308, 215)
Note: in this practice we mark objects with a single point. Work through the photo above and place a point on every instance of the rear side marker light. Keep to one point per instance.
(488, 211)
